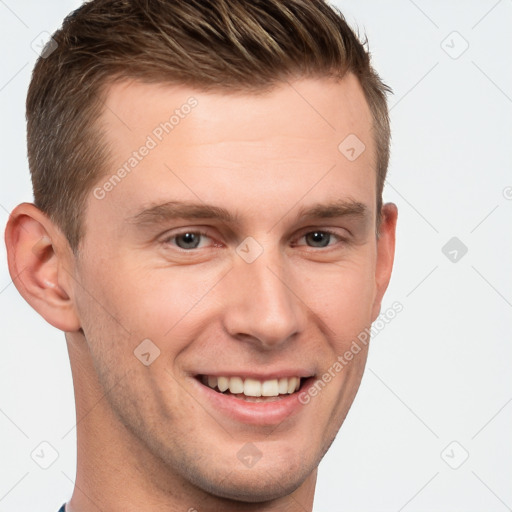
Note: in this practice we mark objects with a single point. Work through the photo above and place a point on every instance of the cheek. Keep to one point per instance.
(151, 303)
(341, 294)
(132, 302)
(117, 315)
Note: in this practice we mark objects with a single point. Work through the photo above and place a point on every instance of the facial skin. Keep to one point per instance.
(152, 437)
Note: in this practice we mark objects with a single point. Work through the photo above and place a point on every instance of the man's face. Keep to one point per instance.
(261, 262)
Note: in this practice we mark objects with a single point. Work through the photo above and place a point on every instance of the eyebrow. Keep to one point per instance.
(181, 210)
(340, 208)
(171, 210)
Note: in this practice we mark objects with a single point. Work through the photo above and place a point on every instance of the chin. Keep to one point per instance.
(269, 479)
(251, 486)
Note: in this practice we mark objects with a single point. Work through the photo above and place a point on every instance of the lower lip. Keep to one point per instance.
(255, 413)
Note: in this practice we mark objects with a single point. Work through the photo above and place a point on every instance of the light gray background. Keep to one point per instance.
(439, 373)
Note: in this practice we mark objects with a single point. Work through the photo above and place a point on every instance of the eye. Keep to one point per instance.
(319, 238)
(188, 240)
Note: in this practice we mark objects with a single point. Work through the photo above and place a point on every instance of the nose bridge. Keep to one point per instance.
(263, 305)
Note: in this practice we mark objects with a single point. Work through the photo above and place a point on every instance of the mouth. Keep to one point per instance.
(253, 390)
(257, 400)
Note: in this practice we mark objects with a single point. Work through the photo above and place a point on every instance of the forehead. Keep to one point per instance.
(250, 151)
(309, 108)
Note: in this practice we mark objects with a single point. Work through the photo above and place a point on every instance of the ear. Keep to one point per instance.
(385, 254)
(40, 263)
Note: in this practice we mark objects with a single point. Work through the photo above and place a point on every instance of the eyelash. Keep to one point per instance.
(167, 240)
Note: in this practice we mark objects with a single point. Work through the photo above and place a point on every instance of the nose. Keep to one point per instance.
(264, 306)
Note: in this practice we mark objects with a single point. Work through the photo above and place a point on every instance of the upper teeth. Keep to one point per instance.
(254, 387)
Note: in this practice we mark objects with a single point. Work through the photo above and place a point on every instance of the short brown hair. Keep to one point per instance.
(227, 45)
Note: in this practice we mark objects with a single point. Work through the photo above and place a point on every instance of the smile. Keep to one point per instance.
(247, 388)
(249, 398)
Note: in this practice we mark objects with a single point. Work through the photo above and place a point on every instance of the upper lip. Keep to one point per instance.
(251, 374)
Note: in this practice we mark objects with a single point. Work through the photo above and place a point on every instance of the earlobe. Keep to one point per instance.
(385, 254)
(36, 253)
